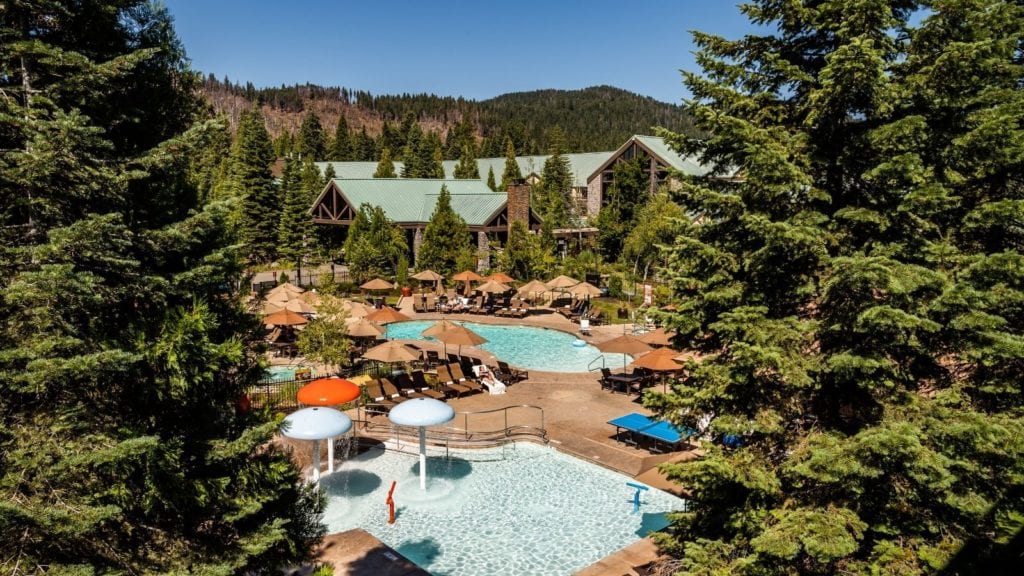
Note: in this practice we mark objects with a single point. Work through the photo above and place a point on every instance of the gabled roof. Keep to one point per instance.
(581, 165)
(408, 201)
(656, 147)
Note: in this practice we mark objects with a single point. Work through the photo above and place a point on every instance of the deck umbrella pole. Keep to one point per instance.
(316, 460)
(330, 455)
(423, 457)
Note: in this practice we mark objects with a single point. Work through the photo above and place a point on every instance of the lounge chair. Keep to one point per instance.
(392, 391)
(585, 326)
(407, 384)
(514, 374)
(448, 383)
(460, 378)
(378, 402)
(431, 304)
(433, 358)
(596, 317)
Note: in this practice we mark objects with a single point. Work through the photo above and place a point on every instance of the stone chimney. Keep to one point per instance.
(518, 203)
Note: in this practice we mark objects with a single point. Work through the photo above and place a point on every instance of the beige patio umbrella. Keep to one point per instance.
(493, 287)
(585, 290)
(386, 315)
(561, 282)
(298, 305)
(377, 284)
(356, 309)
(288, 288)
(268, 308)
(311, 298)
(361, 328)
(658, 337)
(461, 336)
(284, 318)
(533, 286)
(625, 344)
(281, 298)
(438, 327)
(500, 277)
(427, 276)
(391, 351)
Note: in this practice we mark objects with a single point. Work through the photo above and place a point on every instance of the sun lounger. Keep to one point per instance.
(449, 385)
(514, 374)
(391, 391)
(460, 378)
(379, 403)
(407, 384)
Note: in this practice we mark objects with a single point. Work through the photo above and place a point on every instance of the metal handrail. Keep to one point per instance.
(464, 434)
(590, 367)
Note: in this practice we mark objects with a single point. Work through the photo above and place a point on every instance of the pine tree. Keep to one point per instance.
(367, 149)
(124, 351)
(329, 173)
(253, 184)
(523, 256)
(341, 147)
(385, 167)
(556, 183)
(490, 179)
(850, 291)
(512, 172)
(292, 227)
(412, 162)
(467, 168)
(430, 157)
(374, 244)
(311, 143)
(445, 239)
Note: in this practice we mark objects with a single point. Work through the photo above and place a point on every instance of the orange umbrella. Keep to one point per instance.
(660, 360)
(500, 277)
(392, 351)
(624, 344)
(386, 315)
(284, 318)
(461, 336)
(328, 392)
(658, 337)
(467, 276)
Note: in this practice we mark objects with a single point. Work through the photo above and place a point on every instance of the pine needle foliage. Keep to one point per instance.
(856, 292)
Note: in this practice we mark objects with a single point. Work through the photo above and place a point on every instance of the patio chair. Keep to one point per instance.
(448, 383)
(407, 386)
(378, 402)
(606, 374)
(431, 304)
(433, 358)
(418, 381)
(460, 378)
(392, 392)
(596, 317)
(514, 374)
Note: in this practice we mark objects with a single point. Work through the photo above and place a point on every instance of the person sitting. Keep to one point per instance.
(487, 378)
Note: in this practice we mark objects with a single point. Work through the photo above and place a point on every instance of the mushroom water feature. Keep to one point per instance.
(328, 392)
(316, 424)
(421, 412)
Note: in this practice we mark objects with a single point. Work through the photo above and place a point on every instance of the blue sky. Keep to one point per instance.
(477, 49)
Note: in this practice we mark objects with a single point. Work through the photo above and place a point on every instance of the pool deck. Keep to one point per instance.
(576, 411)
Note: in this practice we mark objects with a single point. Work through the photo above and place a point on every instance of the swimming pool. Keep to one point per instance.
(518, 509)
(523, 346)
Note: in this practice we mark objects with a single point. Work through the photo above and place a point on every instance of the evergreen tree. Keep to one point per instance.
(325, 338)
(329, 173)
(445, 239)
(123, 350)
(252, 182)
(413, 165)
(523, 255)
(367, 148)
(430, 157)
(467, 168)
(617, 216)
(294, 217)
(512, 172)
(556, 183)
(490, 179)
(374, 244)
(311, 143)
(385, 167)
(655, 226)
(390, 138)
(853, 293)
(317, 238)
(341, 145)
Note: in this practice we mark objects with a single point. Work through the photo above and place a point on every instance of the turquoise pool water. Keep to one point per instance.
(279, 373)
(523, 346)
(521, 509)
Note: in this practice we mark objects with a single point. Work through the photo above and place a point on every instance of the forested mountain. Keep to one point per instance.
(593, 119)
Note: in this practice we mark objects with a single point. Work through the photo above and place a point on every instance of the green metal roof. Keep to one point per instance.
(407, 200)
(688, 165)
